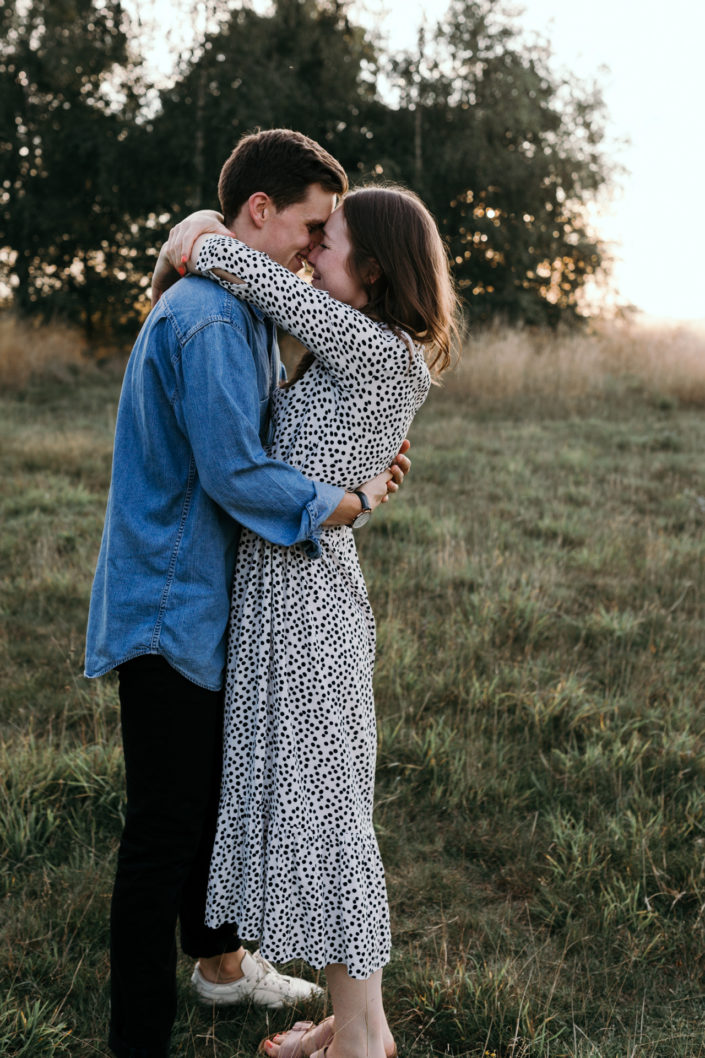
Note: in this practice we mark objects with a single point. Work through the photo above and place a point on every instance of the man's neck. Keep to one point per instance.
(237, 229)
(247, 233)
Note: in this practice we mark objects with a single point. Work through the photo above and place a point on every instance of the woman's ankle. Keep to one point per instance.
(356, 1045)
(388, 1042)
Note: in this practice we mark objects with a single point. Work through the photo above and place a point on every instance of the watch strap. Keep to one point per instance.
(366, 505)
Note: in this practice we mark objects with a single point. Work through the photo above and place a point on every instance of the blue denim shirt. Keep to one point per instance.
(188, 470)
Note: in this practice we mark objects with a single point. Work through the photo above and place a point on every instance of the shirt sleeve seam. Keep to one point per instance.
(209, 321)
(224, 315)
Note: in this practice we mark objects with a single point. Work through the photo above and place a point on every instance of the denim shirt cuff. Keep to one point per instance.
(322, 505)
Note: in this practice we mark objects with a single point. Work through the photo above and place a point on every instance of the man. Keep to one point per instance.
(188, 470)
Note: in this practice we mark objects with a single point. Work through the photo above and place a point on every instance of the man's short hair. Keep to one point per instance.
(280, 162)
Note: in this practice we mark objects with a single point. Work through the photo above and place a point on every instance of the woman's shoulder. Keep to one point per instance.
(403, 345)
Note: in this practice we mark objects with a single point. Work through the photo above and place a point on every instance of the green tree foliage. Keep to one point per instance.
(67, 160)
(304, 66)
(506, 153)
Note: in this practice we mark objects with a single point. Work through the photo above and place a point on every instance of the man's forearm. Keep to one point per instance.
(376, 491)
(346, 511)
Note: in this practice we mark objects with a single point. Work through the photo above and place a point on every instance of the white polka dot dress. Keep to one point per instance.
(295, 862)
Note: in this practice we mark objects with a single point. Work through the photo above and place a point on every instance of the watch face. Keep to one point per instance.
(362, 519)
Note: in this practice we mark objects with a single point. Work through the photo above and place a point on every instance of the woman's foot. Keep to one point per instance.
(298, 1042)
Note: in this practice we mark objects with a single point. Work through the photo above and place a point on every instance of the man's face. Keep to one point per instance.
(294, 230)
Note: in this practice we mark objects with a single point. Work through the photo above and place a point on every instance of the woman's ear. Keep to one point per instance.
(372, 272)
(259, 207)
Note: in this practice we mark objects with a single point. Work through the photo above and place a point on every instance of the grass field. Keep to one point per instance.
(539, 588)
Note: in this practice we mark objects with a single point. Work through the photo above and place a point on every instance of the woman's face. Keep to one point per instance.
(329, 261)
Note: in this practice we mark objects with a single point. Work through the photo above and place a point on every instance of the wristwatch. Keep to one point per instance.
(365, 514)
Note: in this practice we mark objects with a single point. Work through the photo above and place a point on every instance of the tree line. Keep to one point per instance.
(96, 161)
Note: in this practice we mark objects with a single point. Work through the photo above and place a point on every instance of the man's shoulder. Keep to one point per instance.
(195, 302)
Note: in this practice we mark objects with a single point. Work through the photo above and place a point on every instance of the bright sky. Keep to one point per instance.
(654, 91)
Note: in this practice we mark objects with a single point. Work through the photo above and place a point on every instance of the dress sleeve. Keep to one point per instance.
(351, 345)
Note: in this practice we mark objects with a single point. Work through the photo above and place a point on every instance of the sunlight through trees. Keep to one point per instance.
(95, 160)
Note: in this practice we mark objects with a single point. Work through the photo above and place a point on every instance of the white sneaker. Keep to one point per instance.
(261, 984)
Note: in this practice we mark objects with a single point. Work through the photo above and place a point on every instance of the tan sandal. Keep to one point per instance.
(292, 1046)
(324, 1051)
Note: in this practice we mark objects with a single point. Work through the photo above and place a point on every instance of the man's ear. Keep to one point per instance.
(260, 208)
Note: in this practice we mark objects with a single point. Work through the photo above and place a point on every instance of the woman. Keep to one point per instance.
(295, 861)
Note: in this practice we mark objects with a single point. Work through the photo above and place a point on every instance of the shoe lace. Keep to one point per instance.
(263, 964)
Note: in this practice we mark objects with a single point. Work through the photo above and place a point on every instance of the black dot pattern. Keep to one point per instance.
(295, 860)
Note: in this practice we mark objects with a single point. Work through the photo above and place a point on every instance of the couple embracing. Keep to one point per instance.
(229, 597)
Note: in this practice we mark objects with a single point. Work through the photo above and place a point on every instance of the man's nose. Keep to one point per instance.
(315, 239)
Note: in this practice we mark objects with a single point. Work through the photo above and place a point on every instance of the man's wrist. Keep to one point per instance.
(365, 510)
(346, 511)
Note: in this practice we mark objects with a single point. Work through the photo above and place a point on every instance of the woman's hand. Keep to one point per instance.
(175, 255)
(163, 276)
(183, 235)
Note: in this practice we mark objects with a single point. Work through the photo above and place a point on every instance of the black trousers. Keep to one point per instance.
(172, 732)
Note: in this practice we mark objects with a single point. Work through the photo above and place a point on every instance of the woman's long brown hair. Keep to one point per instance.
(395, 242)
(390, 228)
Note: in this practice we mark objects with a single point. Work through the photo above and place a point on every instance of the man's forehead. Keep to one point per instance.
(316, 218)
(318, 205)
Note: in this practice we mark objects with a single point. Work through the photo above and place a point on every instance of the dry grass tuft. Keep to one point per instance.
(29, 350)
(500, 364)
(506, 363)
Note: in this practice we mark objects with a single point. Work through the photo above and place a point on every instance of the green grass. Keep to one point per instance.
(540, 682)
